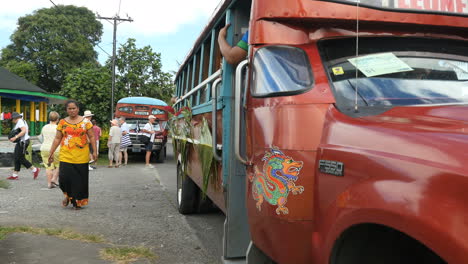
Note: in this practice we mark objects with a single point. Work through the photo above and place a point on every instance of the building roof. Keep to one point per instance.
(14, 82)
(13, 86)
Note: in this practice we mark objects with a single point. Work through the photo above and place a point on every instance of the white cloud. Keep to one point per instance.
(151, 17)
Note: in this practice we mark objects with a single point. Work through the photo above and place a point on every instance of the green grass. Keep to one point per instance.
(120, 255)
(4, 184)
(60, 233)
(103, 159)
(124, 255)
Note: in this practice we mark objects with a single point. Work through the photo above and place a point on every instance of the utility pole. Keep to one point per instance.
(114, 21)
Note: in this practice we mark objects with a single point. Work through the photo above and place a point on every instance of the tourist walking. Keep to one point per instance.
(115, 135)
(48, 134)
(125, 141)
(22, 142)
(149, 133)
(72, 136)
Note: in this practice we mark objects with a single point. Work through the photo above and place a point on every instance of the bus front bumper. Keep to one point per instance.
(137, 148)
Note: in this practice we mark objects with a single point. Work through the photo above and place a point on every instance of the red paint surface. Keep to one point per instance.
(404, 169)
(118, 113)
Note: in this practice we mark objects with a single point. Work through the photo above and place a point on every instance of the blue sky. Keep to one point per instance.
(169, 27)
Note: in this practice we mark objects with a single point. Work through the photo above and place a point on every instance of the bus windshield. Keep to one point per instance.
(137, 124)
(402, 73)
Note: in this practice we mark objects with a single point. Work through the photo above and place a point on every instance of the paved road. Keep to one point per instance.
(129, 206)
(208, 227)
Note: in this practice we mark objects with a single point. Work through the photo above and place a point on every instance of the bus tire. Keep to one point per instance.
(371, 243)
(161, 155)
(206, 205)
(187, 196)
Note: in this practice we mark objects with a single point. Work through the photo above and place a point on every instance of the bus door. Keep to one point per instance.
(281, 127)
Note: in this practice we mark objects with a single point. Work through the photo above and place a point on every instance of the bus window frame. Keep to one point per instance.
(397, 10)
(285, 93)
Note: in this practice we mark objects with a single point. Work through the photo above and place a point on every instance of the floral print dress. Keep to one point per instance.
(74, 158)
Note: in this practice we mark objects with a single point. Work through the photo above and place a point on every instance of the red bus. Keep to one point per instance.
(340, 139)
(136, 111)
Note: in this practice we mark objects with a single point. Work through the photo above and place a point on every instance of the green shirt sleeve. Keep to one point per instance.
(244, 42)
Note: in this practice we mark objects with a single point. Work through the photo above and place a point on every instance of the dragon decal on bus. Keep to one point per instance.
(280, 172)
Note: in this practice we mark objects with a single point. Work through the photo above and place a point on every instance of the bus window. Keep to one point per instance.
(280, 70)
(126, 109)
(157, 111)
(430, 75)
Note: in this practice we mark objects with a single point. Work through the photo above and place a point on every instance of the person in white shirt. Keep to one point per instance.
(148, 131)
(88, 115)
(48, 134)
(21, 146)
(125, 141)
(115, 135)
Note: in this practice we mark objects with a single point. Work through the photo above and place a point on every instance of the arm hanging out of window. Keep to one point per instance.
(236, 54)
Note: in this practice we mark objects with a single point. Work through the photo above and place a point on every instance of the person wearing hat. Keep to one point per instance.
(21, 146)
(88, 115)
(115, 135)
(148, 131)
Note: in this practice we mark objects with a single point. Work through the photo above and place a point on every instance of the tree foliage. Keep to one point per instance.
(139, 73)
(24, 69)
(90, 85)
(55, 40)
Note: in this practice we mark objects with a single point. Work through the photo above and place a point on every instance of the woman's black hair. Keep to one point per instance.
(71, 101)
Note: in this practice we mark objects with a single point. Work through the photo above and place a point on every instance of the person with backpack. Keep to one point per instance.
(22, 142)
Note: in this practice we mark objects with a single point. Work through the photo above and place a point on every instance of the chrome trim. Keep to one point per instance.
(198, 87)
(237, 111)
(214, 120)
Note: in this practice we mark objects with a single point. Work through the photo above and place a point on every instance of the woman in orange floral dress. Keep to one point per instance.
(72, 136)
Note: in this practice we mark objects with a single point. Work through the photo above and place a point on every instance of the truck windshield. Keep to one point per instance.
(134, 123)
(403, 73)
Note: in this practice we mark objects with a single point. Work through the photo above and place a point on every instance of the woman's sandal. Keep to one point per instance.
(55, 184)
(65, 202)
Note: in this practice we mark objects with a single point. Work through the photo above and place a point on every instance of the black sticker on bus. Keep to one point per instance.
(331, 167)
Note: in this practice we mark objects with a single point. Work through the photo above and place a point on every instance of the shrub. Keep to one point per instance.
(103, 141)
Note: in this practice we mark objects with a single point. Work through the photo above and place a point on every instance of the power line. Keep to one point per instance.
(104, 51)
(53, 3)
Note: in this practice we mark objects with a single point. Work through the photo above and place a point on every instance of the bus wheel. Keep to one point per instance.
(161, 155)
(205, 205)
(186, 193)
(371, 244)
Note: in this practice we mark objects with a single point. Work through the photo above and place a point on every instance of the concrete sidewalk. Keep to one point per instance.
(18, 248)
(128, 207)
